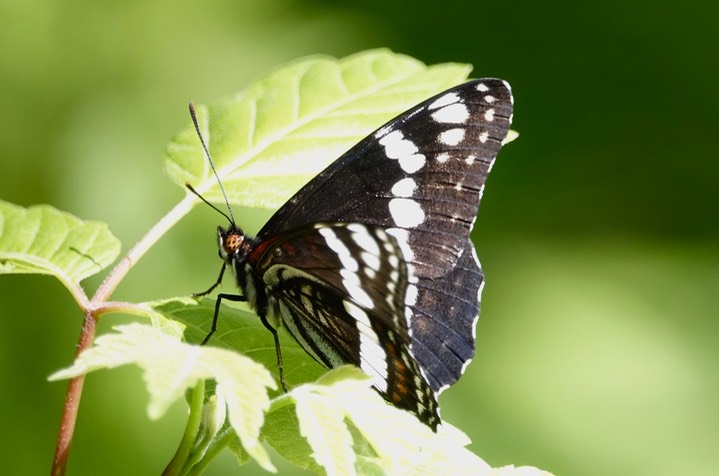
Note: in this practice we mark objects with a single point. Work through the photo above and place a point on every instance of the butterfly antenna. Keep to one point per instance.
(229, 217)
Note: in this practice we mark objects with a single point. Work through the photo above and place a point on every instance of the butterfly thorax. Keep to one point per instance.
(235, 248)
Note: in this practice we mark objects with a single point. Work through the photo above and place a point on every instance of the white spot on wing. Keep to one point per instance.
(445, 100)
(396, 146)
(402, 237)
(443, 157)
(509, 89)
(351, 282)
(452, 114)
(483, 137)
(452, 136)
(336, 245)
(406, 213)
(382, 131)
(481, 87)
(440, 390)
(362, 237)
(479, 299)
(373, 357)
(489, 115)
(404, 150)
(408, 318)
(412, 163)
(371, 261)
(350, 279)
(404, 188)
(356, 228)
(410, 298)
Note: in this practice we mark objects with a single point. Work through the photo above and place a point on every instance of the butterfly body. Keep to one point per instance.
(371, 263)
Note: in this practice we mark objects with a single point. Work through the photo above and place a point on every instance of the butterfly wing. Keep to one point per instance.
(340, 288)
(422, 172)
(421, 177)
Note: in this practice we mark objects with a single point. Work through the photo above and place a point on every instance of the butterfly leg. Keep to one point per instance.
(212, 288)
(220, 297)
(269, 327)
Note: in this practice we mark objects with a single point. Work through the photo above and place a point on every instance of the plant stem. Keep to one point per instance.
(220, 442)
(179, 461)
(72, 400)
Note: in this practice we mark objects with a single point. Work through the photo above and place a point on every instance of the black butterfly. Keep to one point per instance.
(370, 263)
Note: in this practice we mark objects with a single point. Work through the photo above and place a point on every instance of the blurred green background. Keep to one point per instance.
(597, 347)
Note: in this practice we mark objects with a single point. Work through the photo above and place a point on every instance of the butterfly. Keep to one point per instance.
(371, 262)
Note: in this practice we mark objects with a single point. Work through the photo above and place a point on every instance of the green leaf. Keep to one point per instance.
(512, 135)
(236, 448)
(171, 366)
(282, 432)
(322, 424)
(41, 239)
(352, 430)
(240, 330)
(270, 139)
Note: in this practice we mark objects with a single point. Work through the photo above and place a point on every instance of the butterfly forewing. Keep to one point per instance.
(423, 171)
(340, 290)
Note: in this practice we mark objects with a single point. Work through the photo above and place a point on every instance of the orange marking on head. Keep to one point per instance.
(233, 242)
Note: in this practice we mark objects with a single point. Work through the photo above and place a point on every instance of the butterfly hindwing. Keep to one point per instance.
(340, 289)
(444, 319)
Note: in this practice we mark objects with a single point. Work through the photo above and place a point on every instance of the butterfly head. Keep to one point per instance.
(233, 243)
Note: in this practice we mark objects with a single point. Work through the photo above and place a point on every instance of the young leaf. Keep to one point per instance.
(170, 366)
(41, 239)
(272, 138)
